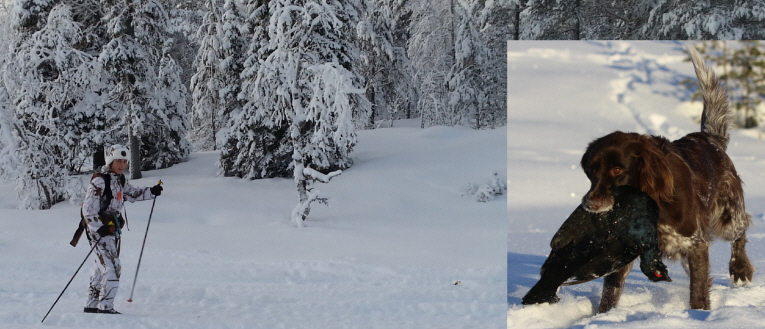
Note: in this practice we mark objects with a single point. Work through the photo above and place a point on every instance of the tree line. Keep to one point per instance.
(279, 87)
(638, 19)
(742, 72)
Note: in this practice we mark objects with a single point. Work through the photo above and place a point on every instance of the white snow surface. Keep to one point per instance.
(399, 247)
(561, 96)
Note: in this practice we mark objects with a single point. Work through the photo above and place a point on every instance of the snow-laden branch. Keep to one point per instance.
(318, 176)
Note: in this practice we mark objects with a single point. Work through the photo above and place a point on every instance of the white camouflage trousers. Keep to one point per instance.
(105, 279)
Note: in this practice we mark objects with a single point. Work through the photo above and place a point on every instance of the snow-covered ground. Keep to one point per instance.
(561, 96)
(399, 247)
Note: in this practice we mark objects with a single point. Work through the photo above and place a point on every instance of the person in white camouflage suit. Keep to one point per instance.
(103, 226)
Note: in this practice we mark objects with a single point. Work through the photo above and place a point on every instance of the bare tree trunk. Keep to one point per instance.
(371, 98)
(577, 33)
(300, 212)
(99, 160)
(135, 142)
(453, 46)
(214, 129)
(518, 9)
(135, 157)
(304, 206)
(47, 201)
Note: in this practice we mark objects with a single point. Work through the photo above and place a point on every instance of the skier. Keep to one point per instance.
(102, 213)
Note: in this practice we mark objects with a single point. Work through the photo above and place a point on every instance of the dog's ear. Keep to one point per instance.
(588, 153)
(585, 160)
(656, 177)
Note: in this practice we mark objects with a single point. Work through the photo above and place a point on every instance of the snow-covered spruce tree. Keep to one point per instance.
(89, 14)
(452, 61)
(552, 19)
(383, 62)
(217, 84)
(185, 20)
(688, 19)
(31, 15)
(308, 82)
(402, 77)
(497, 185)
(9, 162)
(742, 72)
(9, 126)
(582, 19)
(750, 17)
(256, 149)
(639, 19)
(252, 149)
(741, 69)
(79, 121)
(431, 49)
(47, 80)
(131, 60)
(622, 20)
(205, 83)
(191, 5)
(164, 143)
(232, 47)
(331, 87)
(748, 70)
(495, 32)
(467, 88)
(683, 19)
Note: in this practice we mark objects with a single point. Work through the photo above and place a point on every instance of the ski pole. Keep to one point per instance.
(130, 300)
(70, 280)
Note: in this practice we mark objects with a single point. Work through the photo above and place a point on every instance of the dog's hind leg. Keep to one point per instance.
(698, 261)
(741, 270)
(613, 285)
(730, 222)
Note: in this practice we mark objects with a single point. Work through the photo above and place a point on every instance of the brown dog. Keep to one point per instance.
(693, 181)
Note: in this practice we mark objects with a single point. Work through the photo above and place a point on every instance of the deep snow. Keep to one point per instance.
(400, 246)
(561, 96)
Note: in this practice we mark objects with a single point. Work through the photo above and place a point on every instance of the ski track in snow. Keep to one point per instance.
(639, 70)
(557, 104)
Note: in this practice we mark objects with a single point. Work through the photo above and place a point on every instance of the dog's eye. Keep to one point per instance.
(615, 171)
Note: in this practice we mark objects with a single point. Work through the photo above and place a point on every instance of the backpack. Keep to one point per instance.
(105, 200)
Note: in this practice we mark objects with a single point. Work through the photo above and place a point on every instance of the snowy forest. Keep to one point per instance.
(279, 87)
(638, 20)
(742, 71)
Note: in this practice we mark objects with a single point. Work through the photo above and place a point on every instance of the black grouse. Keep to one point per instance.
(591, 245)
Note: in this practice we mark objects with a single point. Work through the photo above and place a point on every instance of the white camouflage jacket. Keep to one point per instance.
(92, 204)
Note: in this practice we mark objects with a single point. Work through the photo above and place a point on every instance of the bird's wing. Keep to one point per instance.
(574, 229)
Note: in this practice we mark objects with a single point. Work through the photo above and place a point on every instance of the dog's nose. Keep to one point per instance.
(594, 204)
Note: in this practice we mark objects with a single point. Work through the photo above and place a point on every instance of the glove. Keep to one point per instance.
(156, 190)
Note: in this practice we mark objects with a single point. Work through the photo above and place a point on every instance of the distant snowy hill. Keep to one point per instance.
(562, 95)
(400, 246)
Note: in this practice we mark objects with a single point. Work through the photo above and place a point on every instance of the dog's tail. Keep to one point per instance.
(716, 117)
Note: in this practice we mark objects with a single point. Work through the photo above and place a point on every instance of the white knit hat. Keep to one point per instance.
(116, 152)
